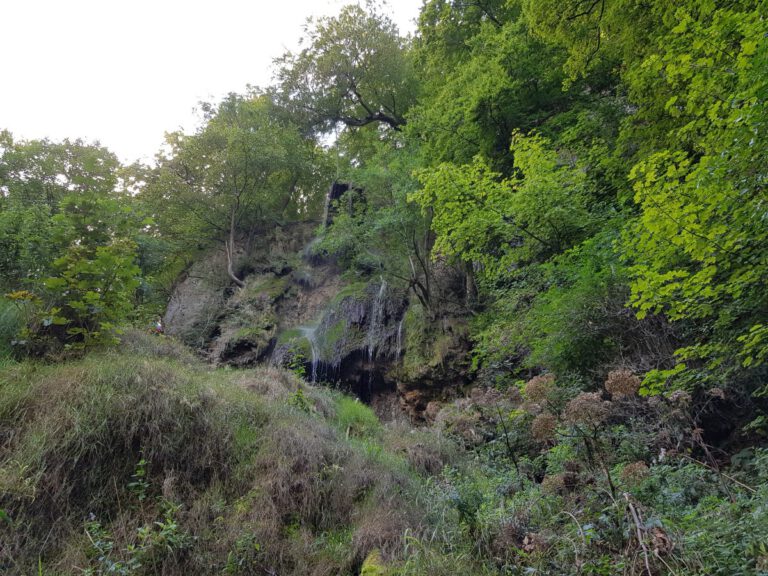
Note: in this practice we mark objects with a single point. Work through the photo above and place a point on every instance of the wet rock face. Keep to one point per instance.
(239, 326)
(342, 193)
(250, 322)
(296, 311)
(425, 381)
(355, 339)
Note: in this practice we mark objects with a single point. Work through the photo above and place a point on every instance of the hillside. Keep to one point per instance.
(146, 461)
(488, 298)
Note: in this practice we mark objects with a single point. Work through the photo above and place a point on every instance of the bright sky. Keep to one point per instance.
(123, 72)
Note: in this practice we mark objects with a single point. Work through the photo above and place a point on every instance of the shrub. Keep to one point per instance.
(621, 383)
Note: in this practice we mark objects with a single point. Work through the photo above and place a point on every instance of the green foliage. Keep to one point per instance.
(162, 537)
(298, 399)
(485, 76)
(245, 556)
(138, 484)
(356, 419)
(501, 223)
(354, 71)
(698, 247)
(246, 168)
(68, 234)
(93, 293)
(583, 181)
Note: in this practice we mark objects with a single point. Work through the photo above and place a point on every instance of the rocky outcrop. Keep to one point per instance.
(436, 365)
(295, 310)
(354, 341)
(199, 296)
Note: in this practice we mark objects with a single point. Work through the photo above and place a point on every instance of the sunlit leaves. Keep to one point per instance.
(504, 223)
(701, 239)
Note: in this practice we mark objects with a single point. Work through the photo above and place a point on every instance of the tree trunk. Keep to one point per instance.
(230, 249)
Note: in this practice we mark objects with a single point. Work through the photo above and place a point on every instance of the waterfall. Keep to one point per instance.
(399, 338)
(310, 334)
(376, 323)
(327, 207)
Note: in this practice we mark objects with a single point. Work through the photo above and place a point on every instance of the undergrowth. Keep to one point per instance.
(145, 461)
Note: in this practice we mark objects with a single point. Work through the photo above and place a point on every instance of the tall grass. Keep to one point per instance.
(145, 461)
(10, 324)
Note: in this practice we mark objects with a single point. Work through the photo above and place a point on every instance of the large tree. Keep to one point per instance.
(246, 168)
(356, 70)
(67, 250)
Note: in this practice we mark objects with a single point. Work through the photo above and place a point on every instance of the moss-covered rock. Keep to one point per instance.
(435, 363)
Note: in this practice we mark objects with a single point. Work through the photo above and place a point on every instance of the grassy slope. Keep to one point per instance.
(145, 461)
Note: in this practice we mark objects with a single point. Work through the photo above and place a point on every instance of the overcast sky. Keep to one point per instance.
(125, 71)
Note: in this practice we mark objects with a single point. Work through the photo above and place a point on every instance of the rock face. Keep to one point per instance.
(354, 340)
(195, 305)
(295, 310)
(436, 366)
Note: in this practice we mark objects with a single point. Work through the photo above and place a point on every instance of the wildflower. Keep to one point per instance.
(543, 427)
(587, 408)
(537, 389)
(635, 472)
(622, 383)
(553, 484)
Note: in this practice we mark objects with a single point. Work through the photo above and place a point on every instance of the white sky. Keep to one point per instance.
(123, 72)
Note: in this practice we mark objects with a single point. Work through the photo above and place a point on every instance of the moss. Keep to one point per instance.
(427, 345)
(259, 334)
(354, 290)
(339, 339)
(417, 340)
(335, 333)
(271, 286)
(295, 340)
(374, 565)
(289, 335)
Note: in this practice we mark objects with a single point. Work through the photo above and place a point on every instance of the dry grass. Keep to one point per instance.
(426, 450)
(257, 484)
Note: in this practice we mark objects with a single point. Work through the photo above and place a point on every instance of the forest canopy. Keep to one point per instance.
(578, 163)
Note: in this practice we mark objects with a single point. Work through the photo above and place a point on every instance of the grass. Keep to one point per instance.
(10, 324)
(145, 461)
(356, 419)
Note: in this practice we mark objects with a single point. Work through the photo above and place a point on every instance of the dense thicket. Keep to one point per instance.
(579, 182)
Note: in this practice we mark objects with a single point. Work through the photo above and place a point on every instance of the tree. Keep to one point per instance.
(246, 167)
(503, 224)
(68, 241)
(355, 71)
(45, 186)
(376, 229)
(698, 247)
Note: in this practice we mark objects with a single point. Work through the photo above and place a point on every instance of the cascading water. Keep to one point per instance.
(399, 338)
(376, 324)
(310, 334)
(375, 327)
